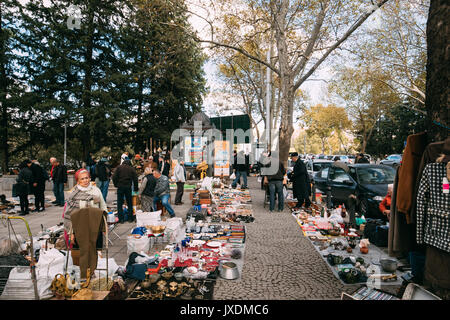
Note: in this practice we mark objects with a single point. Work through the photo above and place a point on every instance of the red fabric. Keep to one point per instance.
(386, 203)
(51, 171)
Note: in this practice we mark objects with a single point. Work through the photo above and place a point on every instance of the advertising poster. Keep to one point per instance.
(222, 158)
(187, 151)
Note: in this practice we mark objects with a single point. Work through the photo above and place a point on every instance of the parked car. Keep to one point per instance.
(314, 166)
(393, 160)
(342, 158)
(351, 159)
(368, 182)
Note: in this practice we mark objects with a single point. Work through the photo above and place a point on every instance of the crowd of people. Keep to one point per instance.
(153, 172)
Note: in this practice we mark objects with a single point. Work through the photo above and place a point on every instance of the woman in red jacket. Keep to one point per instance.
(385, 205)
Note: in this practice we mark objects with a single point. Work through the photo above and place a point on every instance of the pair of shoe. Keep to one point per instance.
(24, 213)
(179, 203)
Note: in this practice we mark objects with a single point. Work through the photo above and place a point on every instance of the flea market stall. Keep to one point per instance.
(210, 244)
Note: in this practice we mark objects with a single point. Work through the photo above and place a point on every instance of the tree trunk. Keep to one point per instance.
(88, 132)
(438, 56)
(139, 143)
(3, 101)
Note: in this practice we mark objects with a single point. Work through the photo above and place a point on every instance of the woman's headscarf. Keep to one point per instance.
(80, 171)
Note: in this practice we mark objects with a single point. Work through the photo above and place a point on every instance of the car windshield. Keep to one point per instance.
(376, 175)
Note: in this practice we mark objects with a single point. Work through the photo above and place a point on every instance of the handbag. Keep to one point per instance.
(18, 188)
(15, 192)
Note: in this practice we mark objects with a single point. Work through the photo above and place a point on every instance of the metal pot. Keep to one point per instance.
(228, 270)
(388, 265)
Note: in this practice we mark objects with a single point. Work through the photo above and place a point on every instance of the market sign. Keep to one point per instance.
(222, 158)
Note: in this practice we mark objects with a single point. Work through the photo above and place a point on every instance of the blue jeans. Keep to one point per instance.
(165, 202)
(276, 187)
(58, 190)
(121, 193)
(238, 178)
(104, 185)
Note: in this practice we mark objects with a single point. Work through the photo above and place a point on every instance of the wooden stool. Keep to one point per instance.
(159, 206)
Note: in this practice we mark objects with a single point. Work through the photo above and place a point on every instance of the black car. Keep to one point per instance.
(368, 182)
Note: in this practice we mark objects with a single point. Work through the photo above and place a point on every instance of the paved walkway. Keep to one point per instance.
(280, 263)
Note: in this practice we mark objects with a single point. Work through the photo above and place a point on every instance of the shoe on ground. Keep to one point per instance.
(23, 213)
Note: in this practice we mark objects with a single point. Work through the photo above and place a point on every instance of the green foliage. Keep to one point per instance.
(130, 72)
(392, 130)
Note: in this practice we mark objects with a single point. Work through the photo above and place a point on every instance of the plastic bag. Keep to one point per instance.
(232, 176)
(148, 218)
(136, 243)
(174, 229)
(10, 245)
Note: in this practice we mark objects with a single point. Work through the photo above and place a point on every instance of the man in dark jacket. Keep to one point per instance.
(300, 182)
(240, 168)
(361, 158)
(25, 182)
(276, 185)
(40, 176)
(59, 179)
(124, 178)
(103, 174)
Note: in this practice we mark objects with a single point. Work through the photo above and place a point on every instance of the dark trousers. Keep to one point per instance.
(121, 193)
(39, 197)
(276, 187)
(180, 192)
(24, 203)
(58, 190)
(240, 174)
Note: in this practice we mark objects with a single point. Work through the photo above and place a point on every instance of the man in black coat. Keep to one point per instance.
(301, 186)
(361, 158)
(124, 178)
(241, 165)
(40, 176)
(25, 183)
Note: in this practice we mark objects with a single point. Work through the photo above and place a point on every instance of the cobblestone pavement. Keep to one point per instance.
(280, 262)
